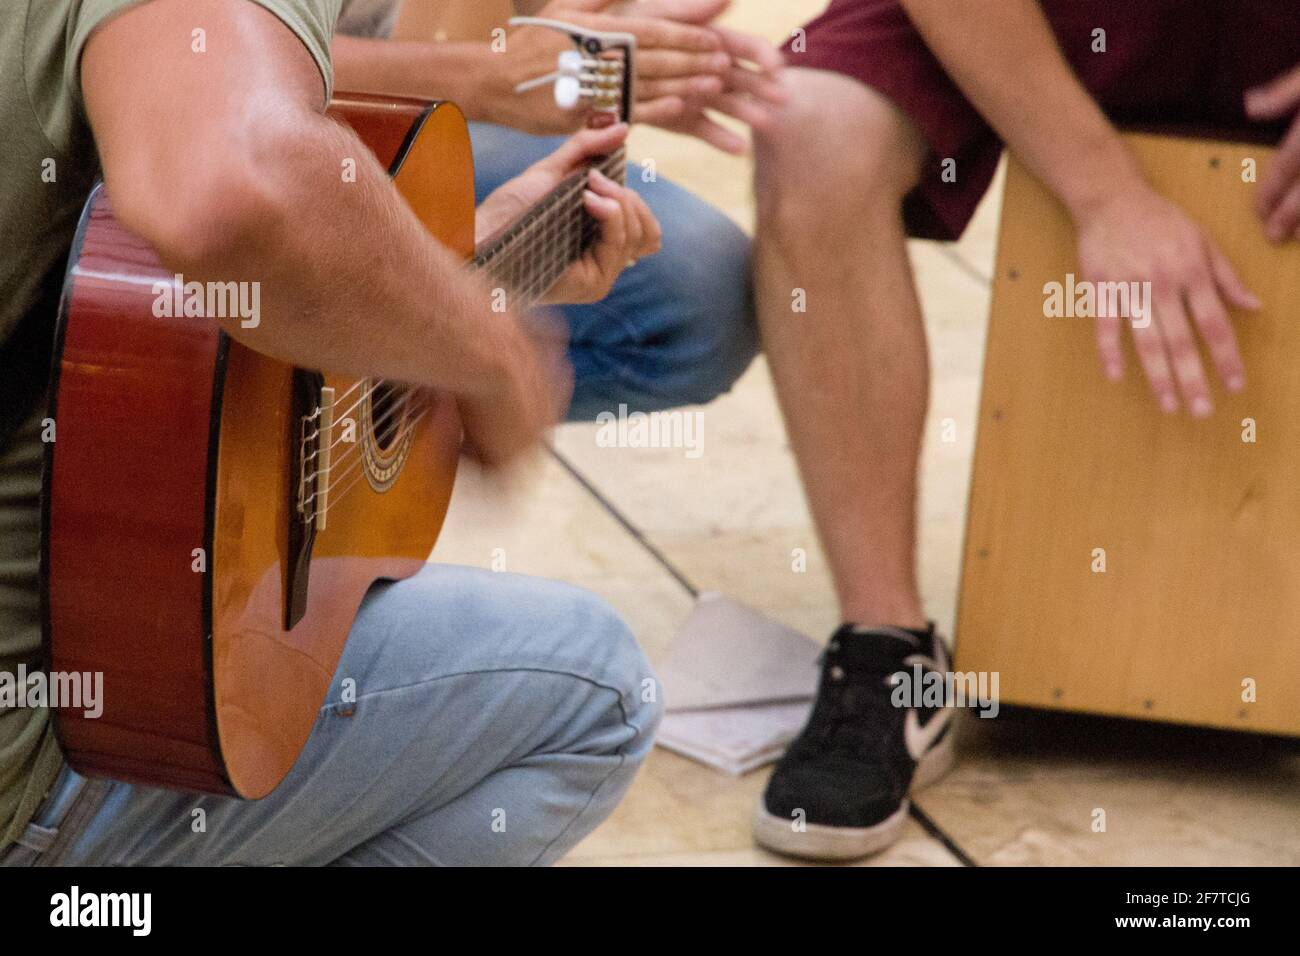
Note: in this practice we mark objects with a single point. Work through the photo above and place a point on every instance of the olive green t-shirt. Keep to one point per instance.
(47, 167)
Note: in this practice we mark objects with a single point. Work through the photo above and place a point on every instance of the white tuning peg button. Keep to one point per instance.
(570, 63)
(567, 92)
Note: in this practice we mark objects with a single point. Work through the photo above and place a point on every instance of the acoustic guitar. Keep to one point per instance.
(213, 518)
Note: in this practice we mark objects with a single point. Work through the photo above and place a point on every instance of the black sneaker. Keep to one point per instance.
(840, 791)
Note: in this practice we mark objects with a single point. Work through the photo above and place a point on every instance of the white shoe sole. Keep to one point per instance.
(820, 842)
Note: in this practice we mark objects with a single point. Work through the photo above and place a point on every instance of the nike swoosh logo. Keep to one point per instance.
(919, 739)
(938, 663)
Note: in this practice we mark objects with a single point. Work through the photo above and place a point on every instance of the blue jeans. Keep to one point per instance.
(498, 719)
(678, 327)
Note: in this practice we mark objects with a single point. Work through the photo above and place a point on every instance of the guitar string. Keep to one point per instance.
(378, 384)
(316, 414)
(523, 239)
(506, 260)
(354, 465)
(396, 407)
(338, 398)
(554, 258)
(375, 383)
(510, 241)
(338, 495)
(339, 416)
(376, 422)
(525, 243)
(521, 233)
(557, 257)
(342, 438)
(557, 262)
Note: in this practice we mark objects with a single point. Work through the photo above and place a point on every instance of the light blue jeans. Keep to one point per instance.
(498, 718)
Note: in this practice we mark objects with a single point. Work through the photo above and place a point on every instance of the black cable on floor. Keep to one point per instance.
(630, 528)
(932, 828)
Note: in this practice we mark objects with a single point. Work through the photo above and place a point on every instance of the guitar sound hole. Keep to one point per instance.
(387, 413)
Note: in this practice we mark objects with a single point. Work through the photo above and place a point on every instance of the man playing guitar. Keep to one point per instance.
(498, 718)
(693, 299)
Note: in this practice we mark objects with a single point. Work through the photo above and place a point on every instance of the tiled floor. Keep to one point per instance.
(1028, 786)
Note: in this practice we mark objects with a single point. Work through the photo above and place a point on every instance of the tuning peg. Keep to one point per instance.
(599, 68)
(570, 63)
(568, 92)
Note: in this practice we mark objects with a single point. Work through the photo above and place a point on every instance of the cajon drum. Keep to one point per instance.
(1118, 560)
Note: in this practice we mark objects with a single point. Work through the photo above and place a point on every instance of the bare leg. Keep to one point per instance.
(852, 371)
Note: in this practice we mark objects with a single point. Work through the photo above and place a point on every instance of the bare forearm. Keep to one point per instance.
(238, 176)
(349, 280)
(1004, 57)
(468, 74)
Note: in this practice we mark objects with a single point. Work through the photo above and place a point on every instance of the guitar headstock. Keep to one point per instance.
(598, 70)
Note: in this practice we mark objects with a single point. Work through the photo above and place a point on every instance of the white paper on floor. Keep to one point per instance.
(737, 685)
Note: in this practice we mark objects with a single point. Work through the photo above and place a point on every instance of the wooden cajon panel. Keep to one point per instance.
(1201, 529)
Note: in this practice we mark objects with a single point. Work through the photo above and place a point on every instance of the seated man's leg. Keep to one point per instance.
(860, 160)
(678, 327)
(851, 371)
(842, 327)
(475, 718)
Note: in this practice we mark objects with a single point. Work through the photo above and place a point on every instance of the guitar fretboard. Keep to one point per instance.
(529, 255)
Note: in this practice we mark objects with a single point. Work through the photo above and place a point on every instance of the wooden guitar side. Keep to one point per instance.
(174, 445)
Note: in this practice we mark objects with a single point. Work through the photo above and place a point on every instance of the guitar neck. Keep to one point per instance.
(531, 253)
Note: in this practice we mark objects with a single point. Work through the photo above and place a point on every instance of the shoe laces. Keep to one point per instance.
(854, 715)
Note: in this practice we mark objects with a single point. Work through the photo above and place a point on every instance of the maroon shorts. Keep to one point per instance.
(1176, 63)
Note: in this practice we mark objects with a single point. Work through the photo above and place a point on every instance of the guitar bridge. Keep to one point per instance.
(324, 440)
(309, 485)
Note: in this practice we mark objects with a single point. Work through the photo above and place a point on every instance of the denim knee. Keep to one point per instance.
(717, 338)
(679, 327)
(623, 667)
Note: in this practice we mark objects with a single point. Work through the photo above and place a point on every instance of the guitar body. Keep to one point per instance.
(175, 560)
